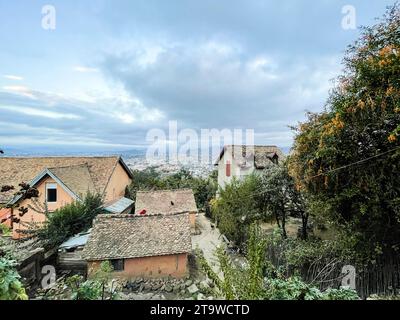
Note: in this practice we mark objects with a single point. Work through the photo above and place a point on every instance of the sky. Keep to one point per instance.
(110, 71)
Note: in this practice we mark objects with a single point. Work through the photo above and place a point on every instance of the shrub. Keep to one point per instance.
(5, 230)
(258, 279)
(96, 288)
(10, 284)
(340, 294)
(236, 208)
(348, 157)
(68, 221)
(204, 189)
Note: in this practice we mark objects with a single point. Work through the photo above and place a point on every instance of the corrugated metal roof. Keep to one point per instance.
(75, 241)
(119, 206)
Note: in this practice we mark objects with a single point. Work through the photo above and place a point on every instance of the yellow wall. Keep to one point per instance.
(4, 213)
(63, 198)
(150, 267)
(117, 184)
(114, 190)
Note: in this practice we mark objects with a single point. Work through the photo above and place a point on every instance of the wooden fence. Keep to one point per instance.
(381, 277)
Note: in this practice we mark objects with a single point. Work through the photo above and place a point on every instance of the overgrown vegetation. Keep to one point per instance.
(258, 279)
(342, 174)
(348, 157)
(11, 287)
(204, 189)
(267, 196)
(236, 208)
(67, 221)
(99, 286)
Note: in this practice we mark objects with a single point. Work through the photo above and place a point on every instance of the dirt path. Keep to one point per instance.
(208, 241)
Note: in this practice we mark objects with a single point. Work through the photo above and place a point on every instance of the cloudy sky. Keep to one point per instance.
(112, 70)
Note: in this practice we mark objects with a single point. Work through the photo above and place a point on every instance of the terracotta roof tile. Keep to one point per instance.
(76, 178)
(20, 169)
(165, 201)
(261, 155)
(131, 236)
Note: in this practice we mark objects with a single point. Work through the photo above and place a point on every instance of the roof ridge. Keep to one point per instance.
(62, 157)
(138, 216)
(249, 145)
(165, 190)
(71, 166)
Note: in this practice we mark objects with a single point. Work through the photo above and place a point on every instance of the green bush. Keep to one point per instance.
(204, 189)
(5, 230)
(340, 294)
(348, 156)
(237, 208)
(10, 284)
(83, 290)
(68, 221)
(258, 279)
(292, 288)
(95, 288)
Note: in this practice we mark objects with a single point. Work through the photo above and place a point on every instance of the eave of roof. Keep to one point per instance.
(240, 146)
(125, 166)
(38, 178)
(119, 205)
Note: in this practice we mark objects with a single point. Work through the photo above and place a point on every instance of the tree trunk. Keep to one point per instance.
(304, 220)
(284, 234)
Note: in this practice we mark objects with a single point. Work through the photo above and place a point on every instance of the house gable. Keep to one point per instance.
(63, 198)
(119, 179)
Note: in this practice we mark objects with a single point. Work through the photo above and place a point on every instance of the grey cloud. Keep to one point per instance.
(95, 122)
(217, 85)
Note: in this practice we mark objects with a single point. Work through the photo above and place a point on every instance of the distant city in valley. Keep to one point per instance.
(134, 158)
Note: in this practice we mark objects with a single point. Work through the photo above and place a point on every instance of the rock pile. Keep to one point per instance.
(178, 287)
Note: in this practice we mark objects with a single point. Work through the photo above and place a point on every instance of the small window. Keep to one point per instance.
(51, 192)
(118, 264)
(228, 169)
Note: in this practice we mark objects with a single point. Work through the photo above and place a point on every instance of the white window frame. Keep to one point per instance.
(51, 186)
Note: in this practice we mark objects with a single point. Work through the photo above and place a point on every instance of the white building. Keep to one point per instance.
(239, 161)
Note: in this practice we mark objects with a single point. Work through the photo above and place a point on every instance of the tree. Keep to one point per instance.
(67, 221)
(204, 189)
(258, 279)
(348, 156)
(11, 287)
(236, 208)
(279, 198)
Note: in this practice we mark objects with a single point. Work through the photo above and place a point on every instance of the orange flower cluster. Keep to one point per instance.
(335, 125)
(392, 138)
(361, 104)
(386, 51)
(390, 91)
(337, 122)
(387, 54)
